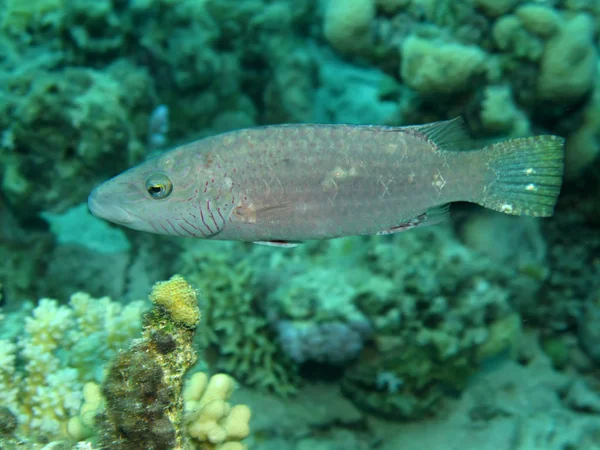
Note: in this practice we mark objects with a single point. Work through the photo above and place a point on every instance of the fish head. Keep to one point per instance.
(149, 196)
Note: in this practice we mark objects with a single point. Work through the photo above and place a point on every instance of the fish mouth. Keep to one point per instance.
(101, 207)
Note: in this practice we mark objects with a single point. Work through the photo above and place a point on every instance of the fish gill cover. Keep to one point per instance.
(480, 332)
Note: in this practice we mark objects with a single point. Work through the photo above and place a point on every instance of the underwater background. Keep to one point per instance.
(480, 333)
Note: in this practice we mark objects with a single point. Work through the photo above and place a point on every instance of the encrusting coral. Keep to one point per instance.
(178, 299)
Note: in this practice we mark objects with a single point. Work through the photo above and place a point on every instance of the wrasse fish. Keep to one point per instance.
(284, 184)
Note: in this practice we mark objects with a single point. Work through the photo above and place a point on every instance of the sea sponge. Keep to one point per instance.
(178, 298)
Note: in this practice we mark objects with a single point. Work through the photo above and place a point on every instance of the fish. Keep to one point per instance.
(281, 185)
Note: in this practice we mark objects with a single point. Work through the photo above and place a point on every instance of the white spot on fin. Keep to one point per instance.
(281, 244)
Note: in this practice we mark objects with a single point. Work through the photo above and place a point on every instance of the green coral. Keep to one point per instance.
(73, 124)
(240, 335)
(17, 17)
(432, 67)
(445, 311)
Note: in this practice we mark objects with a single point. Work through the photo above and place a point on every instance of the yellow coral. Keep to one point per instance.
(210, 420)
(178, 298)
(81, 427)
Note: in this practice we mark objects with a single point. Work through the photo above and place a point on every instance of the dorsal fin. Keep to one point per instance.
(449, 135)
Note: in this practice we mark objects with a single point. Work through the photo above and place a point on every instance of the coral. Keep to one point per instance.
(315, 316)
(512, 37)
(347, 23)
(447, 310)
(583, 144)
(60, 348)
(496, 8)
(540, 19)
(17, 18)
(391, 6)
(91, 109)
(9, 379)
(8, 422)
(82, 237)
(499, 114)
(143, 384)
(573, 243)
(77, 226)
(140, 403)
(48, 391)
(567, 78)
(25, 257)
(178, 299)
(433, 68)
(347, 93)
(234, 327)
(210, 421)
(81, 426)
(588, 329)
(329, 342)
(139, 400)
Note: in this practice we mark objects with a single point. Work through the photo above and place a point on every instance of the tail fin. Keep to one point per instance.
(524, 175)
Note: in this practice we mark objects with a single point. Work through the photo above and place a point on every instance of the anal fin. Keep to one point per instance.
(430, 217)
(281, 244)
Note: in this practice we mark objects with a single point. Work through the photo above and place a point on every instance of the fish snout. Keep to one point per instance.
(103, 207)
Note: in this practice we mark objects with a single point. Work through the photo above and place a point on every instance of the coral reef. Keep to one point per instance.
(408, 325)
(139, 403)
(142, 388)
(59, 348)
(72, 125)
(446, 311)
(234, 328)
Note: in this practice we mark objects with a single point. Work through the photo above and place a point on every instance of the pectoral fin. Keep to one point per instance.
(430, 217)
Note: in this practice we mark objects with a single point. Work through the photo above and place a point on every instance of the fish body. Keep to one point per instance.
(290, 183)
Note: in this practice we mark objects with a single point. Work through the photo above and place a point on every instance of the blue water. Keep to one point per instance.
(478, 333)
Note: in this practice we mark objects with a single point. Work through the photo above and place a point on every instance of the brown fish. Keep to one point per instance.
(284, 184)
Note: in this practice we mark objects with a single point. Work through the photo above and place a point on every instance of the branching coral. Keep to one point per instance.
(61, 347)
(245, 345)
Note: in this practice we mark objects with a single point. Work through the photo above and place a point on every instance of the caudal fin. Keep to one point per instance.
(524, 175)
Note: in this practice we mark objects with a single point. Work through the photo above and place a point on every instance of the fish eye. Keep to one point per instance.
(159, 185)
